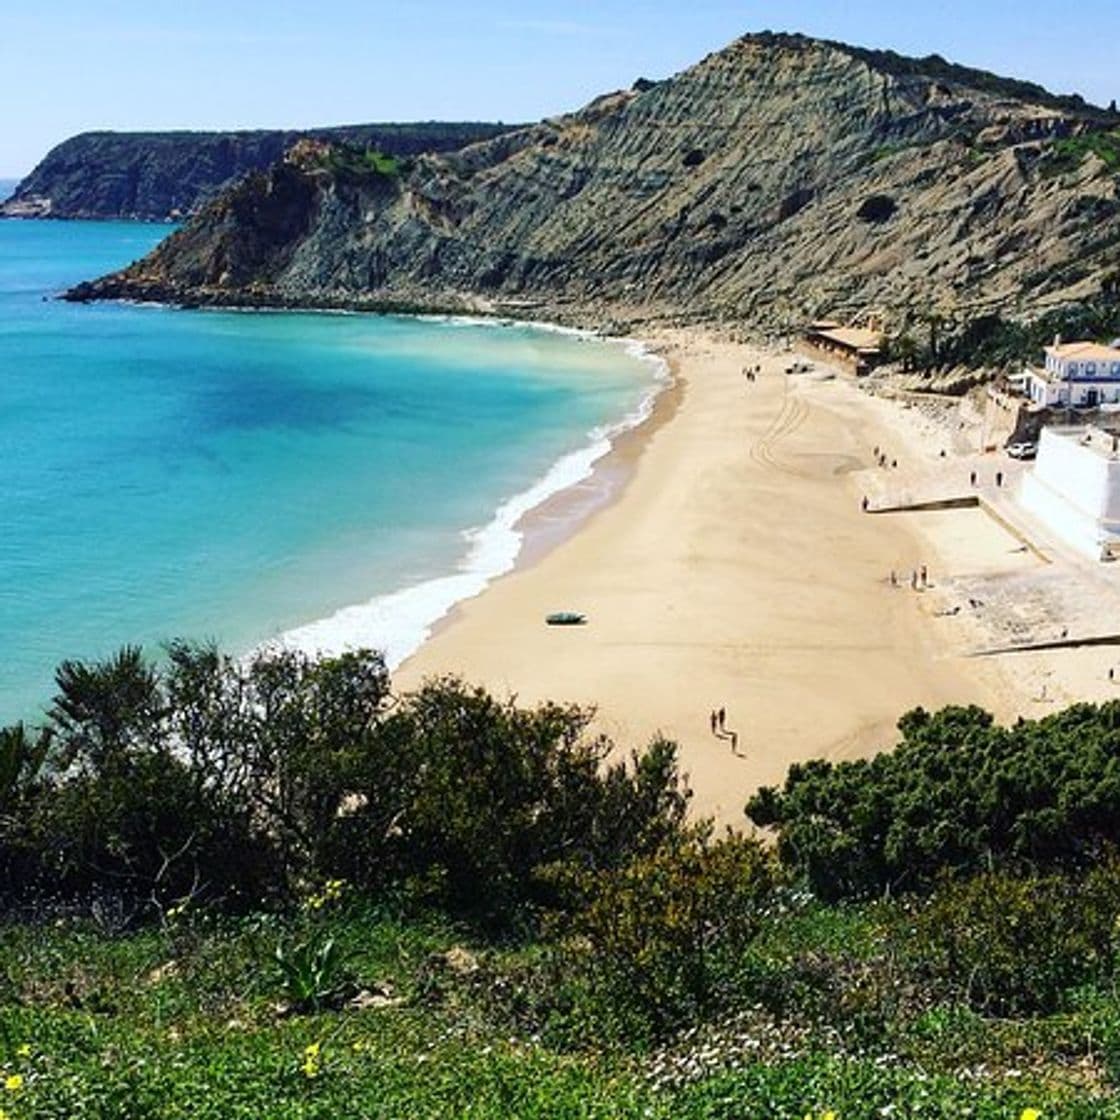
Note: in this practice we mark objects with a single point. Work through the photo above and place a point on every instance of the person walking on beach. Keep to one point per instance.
(722, 717)
(922, 574)
(999, 478)
(864, 504)
(713, 718)
(972, 479)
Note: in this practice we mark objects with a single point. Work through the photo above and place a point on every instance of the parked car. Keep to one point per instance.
(1024, 450)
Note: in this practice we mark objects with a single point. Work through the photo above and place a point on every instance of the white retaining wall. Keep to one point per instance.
(1075, 490)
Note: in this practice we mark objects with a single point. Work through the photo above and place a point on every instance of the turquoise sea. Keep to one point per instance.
(333, 479)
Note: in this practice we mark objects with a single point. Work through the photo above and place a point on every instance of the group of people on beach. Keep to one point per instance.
(751, 372)
(881, 457)
(718, 720)
(919, 578)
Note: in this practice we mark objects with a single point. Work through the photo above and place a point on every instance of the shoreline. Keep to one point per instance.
(732, 568)
(399, 622)
(562, 515)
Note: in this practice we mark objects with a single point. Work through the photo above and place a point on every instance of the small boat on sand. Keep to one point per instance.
(565, 618)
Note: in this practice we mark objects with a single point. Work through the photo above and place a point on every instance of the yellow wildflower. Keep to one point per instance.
(1030, 1114)
(23, 1051)
(311, 1060)
(829, 1115)
(331, 892)
(13, 1082)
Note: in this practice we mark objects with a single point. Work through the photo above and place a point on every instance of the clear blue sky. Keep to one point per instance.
(73, 65)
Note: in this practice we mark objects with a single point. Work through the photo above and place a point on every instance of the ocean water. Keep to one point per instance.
(332, 480)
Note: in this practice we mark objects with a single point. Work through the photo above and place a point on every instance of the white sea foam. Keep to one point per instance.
(399, 622)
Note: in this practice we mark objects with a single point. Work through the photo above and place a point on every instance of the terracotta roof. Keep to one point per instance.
(856, 338)
(1084, 352)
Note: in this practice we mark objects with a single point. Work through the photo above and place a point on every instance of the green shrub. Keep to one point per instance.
(661, 939)
(220, 782)
(958, 793)
(1005, 945)
(1068, 153)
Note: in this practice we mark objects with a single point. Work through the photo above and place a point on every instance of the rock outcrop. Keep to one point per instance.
(154, 176)
(780, 178)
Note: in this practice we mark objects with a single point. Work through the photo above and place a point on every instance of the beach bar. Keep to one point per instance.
(857, 347)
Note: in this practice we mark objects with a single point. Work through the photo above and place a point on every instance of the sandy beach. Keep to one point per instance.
(733, 568)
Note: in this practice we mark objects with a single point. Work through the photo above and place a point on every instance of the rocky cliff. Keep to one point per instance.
(780, 178)
(160, 175)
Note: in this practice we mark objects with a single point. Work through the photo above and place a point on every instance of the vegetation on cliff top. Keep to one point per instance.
(277, 889)
(349, 161)
(936, 68)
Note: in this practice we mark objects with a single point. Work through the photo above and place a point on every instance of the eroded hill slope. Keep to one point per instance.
(778, 178)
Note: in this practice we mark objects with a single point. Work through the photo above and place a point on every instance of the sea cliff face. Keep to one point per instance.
(779, 178)
(155, 176)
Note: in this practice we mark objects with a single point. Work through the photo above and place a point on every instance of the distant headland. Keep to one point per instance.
(162, 176)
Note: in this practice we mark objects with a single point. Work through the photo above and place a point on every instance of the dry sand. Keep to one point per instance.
(733, 569)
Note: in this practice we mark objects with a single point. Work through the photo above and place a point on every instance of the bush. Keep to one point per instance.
(958, 793)
(240, 783)
(991, 341)
(660, 939)
(494, 793)
(1005, 945)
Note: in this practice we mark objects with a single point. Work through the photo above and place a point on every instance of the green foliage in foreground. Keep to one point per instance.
(238, 784)
(184, 1023)
(289, 893)
(958, 793)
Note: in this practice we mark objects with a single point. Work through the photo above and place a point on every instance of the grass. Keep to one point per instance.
(362, 162)
(189, 1022)
(1068, 154)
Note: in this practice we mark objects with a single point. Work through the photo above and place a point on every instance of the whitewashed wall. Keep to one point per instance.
(1075, 490)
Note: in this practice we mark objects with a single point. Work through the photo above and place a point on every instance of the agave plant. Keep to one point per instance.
(313, 973)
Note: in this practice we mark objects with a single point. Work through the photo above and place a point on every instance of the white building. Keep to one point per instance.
(1081, 374)
(1074, 487)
